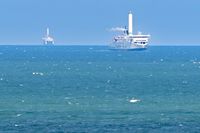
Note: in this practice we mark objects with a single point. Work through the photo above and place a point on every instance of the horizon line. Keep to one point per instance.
(92, 44)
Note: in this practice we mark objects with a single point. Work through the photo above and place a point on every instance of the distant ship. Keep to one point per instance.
(47, 40)
(128, 41)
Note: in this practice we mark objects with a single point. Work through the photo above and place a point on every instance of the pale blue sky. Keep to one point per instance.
(170, 22)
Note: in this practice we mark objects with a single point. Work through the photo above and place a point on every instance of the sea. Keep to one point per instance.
(92, 89)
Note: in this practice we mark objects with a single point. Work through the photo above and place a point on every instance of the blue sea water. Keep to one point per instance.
(87, 89)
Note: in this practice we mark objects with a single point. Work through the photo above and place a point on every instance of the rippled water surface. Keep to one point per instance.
(94, 89)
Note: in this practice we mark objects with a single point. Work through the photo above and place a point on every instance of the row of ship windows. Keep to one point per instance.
(140, 42)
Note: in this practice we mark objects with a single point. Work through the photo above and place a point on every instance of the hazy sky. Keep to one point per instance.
(169, 22)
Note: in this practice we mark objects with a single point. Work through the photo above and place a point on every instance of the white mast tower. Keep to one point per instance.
(130, 24)
(47, 39)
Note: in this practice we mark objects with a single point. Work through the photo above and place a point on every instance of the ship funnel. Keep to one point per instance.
(130, 23)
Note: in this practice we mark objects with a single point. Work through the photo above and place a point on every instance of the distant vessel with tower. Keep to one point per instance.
(48, 40)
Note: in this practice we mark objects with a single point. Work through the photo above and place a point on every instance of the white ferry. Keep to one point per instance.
(128, 41)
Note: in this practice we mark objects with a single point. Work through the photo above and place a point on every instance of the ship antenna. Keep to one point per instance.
(47, 32)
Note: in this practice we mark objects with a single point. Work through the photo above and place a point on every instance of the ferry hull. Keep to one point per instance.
(128, 49)
(128, 46)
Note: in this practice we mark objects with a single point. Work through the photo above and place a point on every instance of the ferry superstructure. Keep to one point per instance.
(129, 41)
(47, 40)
